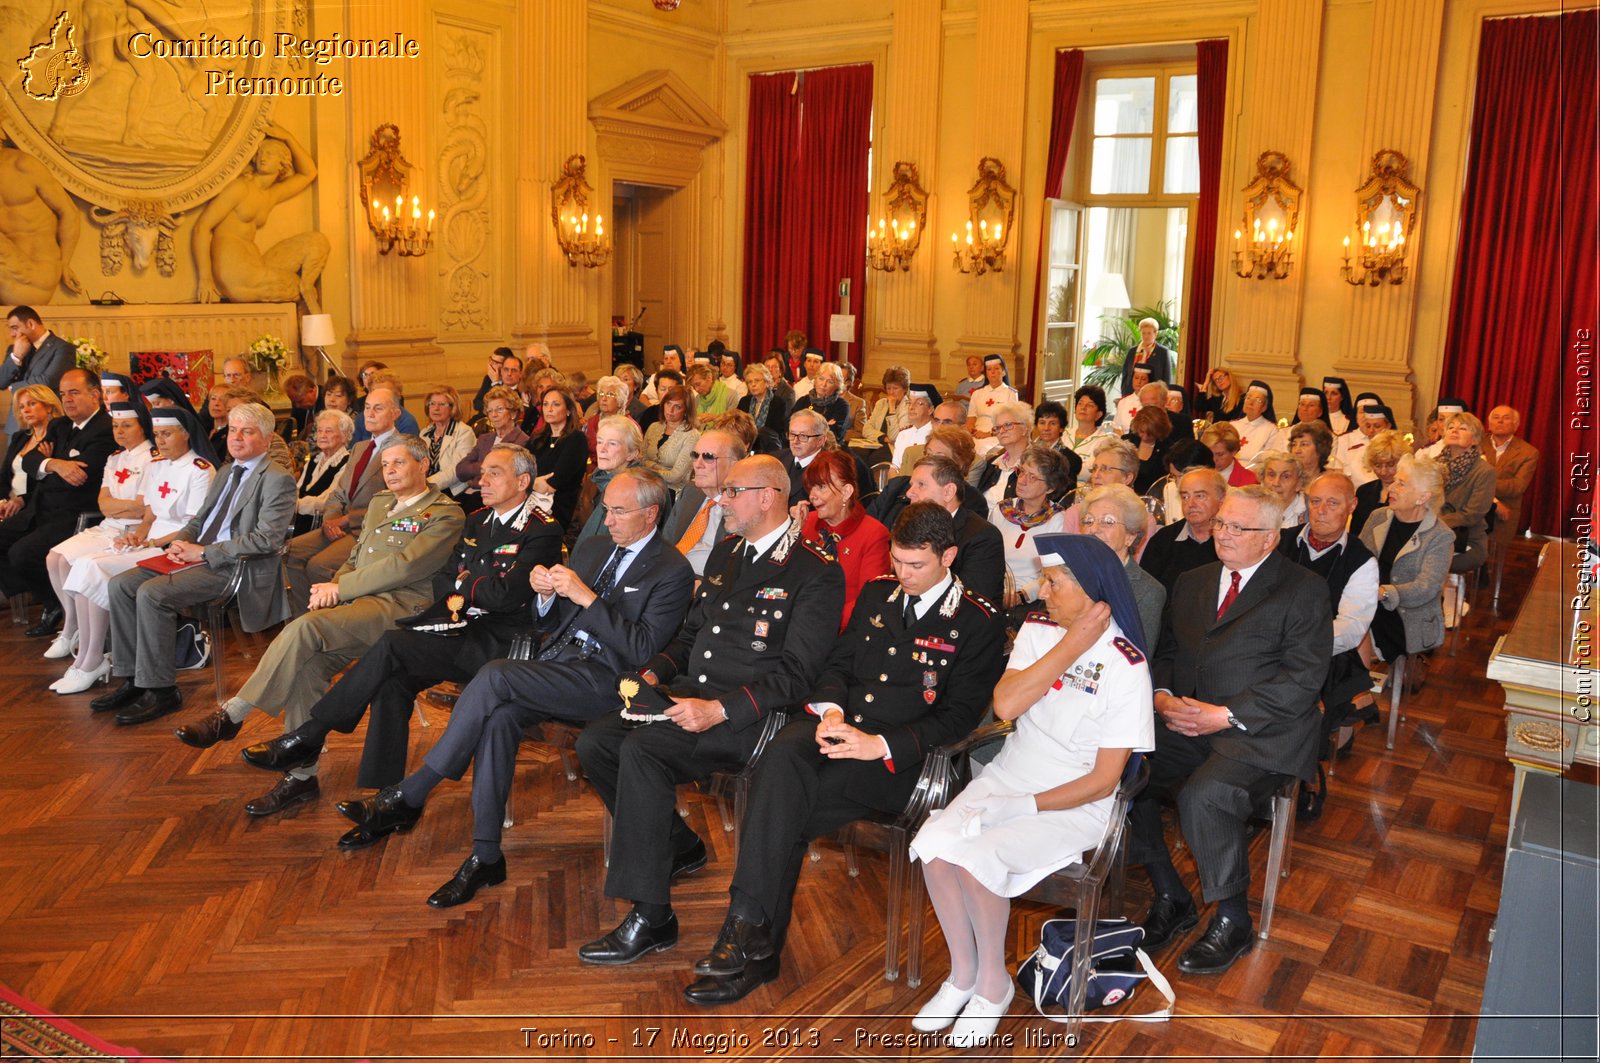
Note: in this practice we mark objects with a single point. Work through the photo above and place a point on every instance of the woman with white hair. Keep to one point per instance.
(1281, 473)
(827, 398)
(610, 399)
(1468, 489)
(618, 445)
(332, 432)
(1117, 517)
(1413, 548)
(1013, 430)
(1258, 426)
(1147, 354)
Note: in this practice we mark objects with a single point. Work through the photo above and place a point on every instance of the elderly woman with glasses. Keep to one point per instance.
(1281, 472)
(1028, 514)
(1078, 686)
(610, 399)
(448, 438)
(1116, 516)
(1413, 547)
(331, 432)
(827, 398)
(502, 408)
(1013, 428)
(618, 445)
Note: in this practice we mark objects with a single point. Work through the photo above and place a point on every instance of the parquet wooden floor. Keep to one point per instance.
(137, 898)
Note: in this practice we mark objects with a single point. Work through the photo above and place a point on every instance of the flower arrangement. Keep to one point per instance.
(89, 355)
(268, 354)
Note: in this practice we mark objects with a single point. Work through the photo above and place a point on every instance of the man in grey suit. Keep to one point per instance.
(247, 511)
(38, 356)
(1243, 653)
(696, 522)
(616, 605)
(315, 556)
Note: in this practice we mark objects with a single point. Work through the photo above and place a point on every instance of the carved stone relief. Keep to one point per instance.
(465, 186)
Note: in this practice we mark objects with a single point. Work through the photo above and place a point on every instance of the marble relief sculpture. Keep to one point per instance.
(229, 263)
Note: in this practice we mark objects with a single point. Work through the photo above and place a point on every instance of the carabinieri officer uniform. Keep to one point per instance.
(473, 623)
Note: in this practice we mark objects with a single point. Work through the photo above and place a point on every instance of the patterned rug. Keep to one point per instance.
(28, 1031)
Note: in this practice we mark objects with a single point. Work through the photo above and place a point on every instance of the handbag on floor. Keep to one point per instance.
(193, 646)
(1117, 965)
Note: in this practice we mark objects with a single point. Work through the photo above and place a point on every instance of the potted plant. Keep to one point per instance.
(88, 355)
(1104, 357)
(269, 355)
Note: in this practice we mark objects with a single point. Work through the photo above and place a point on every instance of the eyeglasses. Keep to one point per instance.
(607, 512)
(1109, 470)
(1001, 426)
(805, 435)
(1109, 522)
(1026, 473)
(730, 491)
(1233, 527)
(695, 455)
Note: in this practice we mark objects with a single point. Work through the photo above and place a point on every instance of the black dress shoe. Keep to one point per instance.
(469, 878)
(1223, 942)
(712, 991)
(49, 623)
(688, 861)
(218, 727)
(356, 810)
(1169, 916)
(387, 814)
(739, 943)
(120, 698)
(289, 791)
(633, 937)
(285, 753)
(152, 705)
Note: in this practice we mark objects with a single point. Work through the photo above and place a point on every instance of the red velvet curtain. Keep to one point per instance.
(1523, 310)
(1211, 90)
(806, 203)
(1069, 80)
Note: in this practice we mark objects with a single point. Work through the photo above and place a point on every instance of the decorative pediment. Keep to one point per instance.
(661, 102)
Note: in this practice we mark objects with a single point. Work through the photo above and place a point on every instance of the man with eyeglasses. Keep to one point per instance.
(696, 524)
(617, 603)
(1238, 669)
(808, 436)
(315, 556)
(920, 401)
(1187, 544)
(753, 644)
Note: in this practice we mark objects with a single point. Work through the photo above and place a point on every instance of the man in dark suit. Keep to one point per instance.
(1243, 652)
(246, 513)
(914, 670)
(64, 480)
(466, 628)
(1147, 354)
(1177, 548)
(38, 356)
(315, 556)
(753, 644)
(980, 552)
(619, 602)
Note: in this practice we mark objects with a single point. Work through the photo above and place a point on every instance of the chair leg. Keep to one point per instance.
(1497, 556)
(741, 792)
(1086, 915)
(215, 620)
(509, 822)
(1397, 685)
(898, 857)
(851, 862)
(1277, 853)
(422, 717)
(19, 603)
(569, 763)
(917, 900)
(605, 838)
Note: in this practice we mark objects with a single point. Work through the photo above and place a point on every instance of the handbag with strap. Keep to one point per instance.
(1117, 965)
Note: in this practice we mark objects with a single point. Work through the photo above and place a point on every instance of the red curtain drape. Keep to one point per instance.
(1069, 79)
(1523, 309)
(806, 203)
(1211, 91)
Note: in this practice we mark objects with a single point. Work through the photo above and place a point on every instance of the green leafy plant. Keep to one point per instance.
(1104, 357)
(88, 355)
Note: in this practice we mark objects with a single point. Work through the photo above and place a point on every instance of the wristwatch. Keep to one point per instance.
(1233, 721)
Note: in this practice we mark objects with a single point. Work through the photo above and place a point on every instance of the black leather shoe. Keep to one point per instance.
(1223, 942)
(739, 943)
(688, 861)
(469, 878)
(49, 623)
(289, 791)
(387, 814)
(355, 810)
(218, 727)
(120, 698)
(285, 753)
(152, 705)
(1169, 916)
(712, 991)
(633, 937)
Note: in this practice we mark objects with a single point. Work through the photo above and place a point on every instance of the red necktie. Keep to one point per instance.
(1227, 599)
(361, 466)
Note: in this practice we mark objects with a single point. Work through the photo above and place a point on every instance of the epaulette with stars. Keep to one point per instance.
(201, 463)
(1039, 618)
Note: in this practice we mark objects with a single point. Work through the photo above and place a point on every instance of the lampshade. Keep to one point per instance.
(1111, 291)
(316, 330)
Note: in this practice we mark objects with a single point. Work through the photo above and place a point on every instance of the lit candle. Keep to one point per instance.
(430, 221)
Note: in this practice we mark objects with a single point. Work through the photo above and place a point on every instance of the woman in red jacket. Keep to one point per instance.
(834, 518)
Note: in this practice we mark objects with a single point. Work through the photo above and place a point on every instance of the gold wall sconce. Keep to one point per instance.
(893, 244)
(386, 180)
(582, 236)
(1271, 218)
(991, 208)
(1386, 211)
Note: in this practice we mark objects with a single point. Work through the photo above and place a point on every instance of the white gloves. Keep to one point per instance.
(993, 810)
